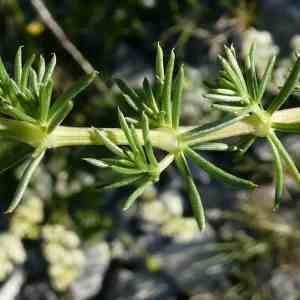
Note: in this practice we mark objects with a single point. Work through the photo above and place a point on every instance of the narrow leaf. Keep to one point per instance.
(212, 147)
(60, 114)
(28, 172)
(26, 69)
(147, 141)
(266, 78)
(45, 98)
(41, 69)
(218, 172)
(50, 69)
(96, 162)
(109, 144)
(177, 98)
(292, 128)
(194, 196)
(287, 88)
(120, 182)
(279, 176)
(167, 89)
(18, 66)
(290, 165)
(137, 193)
(73, 91)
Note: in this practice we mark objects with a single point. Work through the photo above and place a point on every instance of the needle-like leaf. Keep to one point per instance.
(287, 88)
(166, 104)
(212, 147)
(109, 144)
(278, 174)
(177, 97)
(28, 172)
(49, 69)
(290, 165)
(60, 114)
(194, 196)
(217, 172)
(18, 66)
(72, 92)
(147, 142)
(45, 100)
(137, 193)
(292, 128)
(266, 78)
(41, 69)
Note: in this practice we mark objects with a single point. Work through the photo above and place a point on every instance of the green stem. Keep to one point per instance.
(163, 138)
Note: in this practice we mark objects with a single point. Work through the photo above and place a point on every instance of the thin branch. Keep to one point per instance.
(54, 27)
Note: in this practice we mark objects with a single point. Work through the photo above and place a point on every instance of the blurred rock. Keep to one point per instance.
(285, 285)
(186, 264)
(90, 281)
(139, 286)
(37, 291)
(13, 285)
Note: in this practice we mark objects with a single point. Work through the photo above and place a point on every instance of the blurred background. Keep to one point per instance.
(68, 241)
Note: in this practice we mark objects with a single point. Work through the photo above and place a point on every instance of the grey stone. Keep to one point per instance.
(285, 285)
(90, 281)
(139, 286)
(37, 291)
(13, 285)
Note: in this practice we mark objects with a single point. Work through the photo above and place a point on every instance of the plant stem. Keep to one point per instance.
(163, 138)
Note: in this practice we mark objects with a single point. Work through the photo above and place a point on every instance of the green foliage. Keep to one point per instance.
(26, 97)
(26, 105)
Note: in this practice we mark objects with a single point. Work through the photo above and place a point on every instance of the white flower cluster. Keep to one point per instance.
(11, 253)
(265, 46)
(66, 260)
(27, 217)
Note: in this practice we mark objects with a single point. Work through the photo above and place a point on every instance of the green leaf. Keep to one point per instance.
(41, 69)
(287, 88)
(245, 144)
(3, 73)
(212, 127)
(212, 147)
(130, 102)
(159, 64)
(279, 176)
(229, 108)
(127, 132)
(127, 90)
(18, 66)
(28, 172)
(96, 162)
(120, 181)
(12, 153)
(217, 172)
(72, 92)
(26, 70)
(60, 114)
(150, 97)
(223, 98)
(266, 78)
(45, 98)
(291, 128)
(137, 193)
(177, 97)
(290, 165)
(194, 196)
(232, 59)
(33, 81)
(147, 141)
(49, 69)
(167, 90)
(109, 144)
